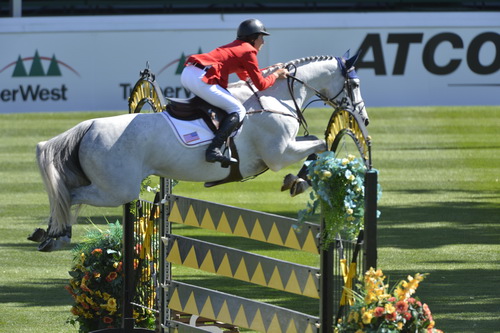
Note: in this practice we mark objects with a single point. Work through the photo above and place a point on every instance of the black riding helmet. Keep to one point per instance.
(251, 27)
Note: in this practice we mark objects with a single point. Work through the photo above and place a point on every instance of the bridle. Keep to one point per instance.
(321, 97)
(292, 78)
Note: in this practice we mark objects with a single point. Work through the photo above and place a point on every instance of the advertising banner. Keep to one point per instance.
(50, 64)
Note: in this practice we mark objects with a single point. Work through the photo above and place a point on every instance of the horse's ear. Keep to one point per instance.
(346, 55)
(350, 62)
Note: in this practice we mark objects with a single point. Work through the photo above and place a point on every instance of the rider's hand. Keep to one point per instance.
(281, 73)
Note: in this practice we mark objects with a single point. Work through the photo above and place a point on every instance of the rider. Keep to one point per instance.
(206, 75)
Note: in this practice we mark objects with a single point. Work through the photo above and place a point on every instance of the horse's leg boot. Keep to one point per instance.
(227, 126)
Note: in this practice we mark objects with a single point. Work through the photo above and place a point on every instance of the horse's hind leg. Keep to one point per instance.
(100, 197)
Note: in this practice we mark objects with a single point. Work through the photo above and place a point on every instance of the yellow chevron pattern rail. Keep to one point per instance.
(238, 311)
(245, 266)
(246, 223)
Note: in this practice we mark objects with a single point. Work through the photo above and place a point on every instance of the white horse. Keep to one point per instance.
(102, 162)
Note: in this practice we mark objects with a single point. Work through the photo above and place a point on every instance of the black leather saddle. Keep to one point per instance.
(195, 108)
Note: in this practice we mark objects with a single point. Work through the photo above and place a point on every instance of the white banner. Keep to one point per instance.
(92, 63)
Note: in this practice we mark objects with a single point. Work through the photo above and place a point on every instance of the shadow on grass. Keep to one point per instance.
(455, 223)
(98, 220)
(467, 300)
(45, 292)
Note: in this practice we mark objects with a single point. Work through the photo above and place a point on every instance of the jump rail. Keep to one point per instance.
(324, 283)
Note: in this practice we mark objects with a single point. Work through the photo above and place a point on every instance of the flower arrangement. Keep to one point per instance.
(338, 189)
(377, 310)
(96, 283)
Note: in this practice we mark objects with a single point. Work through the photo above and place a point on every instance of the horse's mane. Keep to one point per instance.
(291, 63)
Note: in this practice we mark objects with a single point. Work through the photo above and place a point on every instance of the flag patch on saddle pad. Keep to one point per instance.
(190, 137)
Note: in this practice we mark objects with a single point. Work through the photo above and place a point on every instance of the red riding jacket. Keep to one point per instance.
(237, 57)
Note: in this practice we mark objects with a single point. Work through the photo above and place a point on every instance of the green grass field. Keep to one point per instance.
(439, 169)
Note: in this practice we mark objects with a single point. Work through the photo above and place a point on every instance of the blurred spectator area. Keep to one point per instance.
(131, 7)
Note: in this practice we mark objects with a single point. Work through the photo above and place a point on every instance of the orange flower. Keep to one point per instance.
(111, 276)
(391, 316)
(107, 320)
(118, 266)
(97, 251)
(379, 311)
(401, 306)
(70, 290)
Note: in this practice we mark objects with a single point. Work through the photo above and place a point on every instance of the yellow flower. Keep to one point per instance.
(349, 211)
(345, 161)
(110, 306)
(89, 300)
(326, 174)
(353, 317)
(367, 317)
(370, 297)
(106, 296)
(389, 308)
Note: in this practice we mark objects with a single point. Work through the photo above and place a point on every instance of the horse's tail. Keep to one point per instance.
(59, 164)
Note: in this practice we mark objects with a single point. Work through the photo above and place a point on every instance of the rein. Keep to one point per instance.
(262, 110)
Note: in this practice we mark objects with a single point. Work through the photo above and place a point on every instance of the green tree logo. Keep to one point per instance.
(37, 69)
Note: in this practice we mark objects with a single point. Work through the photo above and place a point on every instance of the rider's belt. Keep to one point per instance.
(200, 66)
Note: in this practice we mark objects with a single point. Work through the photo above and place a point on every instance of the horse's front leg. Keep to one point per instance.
(286, 153)
(290, 152)
(298, 183)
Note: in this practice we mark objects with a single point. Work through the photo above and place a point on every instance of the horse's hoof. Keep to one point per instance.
(64, 240)
(39, 235)
(47, 245)
(300, 186)
(288, 182)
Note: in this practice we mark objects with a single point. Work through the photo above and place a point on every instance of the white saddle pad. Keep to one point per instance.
(191, 133)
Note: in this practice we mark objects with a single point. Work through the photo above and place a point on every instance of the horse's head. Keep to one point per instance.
(351, 86)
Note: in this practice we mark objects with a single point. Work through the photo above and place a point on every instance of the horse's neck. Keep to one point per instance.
(317, 75)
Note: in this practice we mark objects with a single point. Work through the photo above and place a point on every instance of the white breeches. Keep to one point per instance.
(214, 94)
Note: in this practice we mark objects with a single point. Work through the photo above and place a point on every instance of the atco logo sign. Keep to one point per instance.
(469, 53)
(30, 68)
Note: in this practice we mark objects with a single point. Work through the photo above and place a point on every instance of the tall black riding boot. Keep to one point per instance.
(226, 127)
